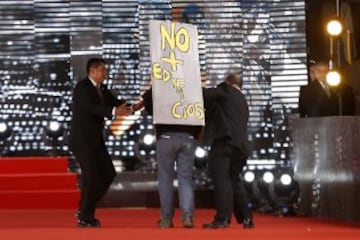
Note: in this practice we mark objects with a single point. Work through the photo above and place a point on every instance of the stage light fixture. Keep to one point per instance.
(268, 177)
(54, 126)
(5, 130)
(260, 189)
(286, 179)
(284, 192)
(200, 157)
(145, 152)
(200, 152)
(249, 183)
(54, 129)
(249, 176)
(334, 27)
(5, 138)
(54, 137)
(3, 127)
(333, 78)
(149, 139)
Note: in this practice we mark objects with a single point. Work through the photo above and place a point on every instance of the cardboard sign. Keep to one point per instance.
(175, 74)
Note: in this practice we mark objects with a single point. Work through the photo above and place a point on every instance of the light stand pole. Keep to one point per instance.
(335, 29)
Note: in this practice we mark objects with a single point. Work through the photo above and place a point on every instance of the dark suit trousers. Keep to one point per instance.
(225, 165)
(97, 175)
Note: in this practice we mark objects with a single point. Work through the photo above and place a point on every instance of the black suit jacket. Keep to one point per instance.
(88, 113)
(314, 102)
(347, 100)
(227, 116)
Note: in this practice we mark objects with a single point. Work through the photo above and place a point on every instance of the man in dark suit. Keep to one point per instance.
(92, 102)
(226, 129)
(317, 99)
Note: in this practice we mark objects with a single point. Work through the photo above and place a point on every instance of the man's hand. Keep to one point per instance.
(137, 106)
(123, 110)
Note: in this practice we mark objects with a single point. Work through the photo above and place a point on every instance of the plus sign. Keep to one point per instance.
(172, 60)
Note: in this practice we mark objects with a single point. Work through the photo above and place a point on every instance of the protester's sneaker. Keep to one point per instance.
(165, 223)
(188, 222)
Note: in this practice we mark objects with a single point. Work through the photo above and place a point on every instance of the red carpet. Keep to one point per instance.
(140, 224)
(37, 182)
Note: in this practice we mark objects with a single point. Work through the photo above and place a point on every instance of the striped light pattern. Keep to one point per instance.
(45, 44)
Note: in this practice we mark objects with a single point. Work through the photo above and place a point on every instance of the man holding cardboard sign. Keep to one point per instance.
(176, 103)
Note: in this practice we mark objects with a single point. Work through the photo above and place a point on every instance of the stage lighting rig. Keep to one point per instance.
(284, 191)
(268, 177)
(5, 131)
(263, 178)
(201, 155)
(54, 130)
(54, 138)
(286, 179)
(201, 178)
(248, 180)
(5, 138)
(148, 139)
(145, 152)
(249, 176)
(333, 78)
(334, 27)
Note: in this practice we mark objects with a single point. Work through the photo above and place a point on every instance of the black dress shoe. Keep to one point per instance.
(88, 224)
(217, 224)
(248, 223)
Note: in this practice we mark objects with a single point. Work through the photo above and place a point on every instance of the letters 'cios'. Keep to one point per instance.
(180, 110)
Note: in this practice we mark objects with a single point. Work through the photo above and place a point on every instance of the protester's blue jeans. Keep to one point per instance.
(175, 153)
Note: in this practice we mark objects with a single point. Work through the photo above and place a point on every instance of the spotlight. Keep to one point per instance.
(54, 137)
(200, 152)
(201, 177)
(3, 127)
(333, 78)
(249, 183)
(284, 192)
(5, 138)
(145, 152)
(334, 28)
(54, 129)
(261, 190)
(149, 139)
(249, 176)
(286, 179)
(54, 126)
(200, 157)
(5, 131)
(268, 177)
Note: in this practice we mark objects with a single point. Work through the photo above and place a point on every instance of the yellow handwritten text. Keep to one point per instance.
(179, 39)
(160, 74)
(180, 110)
(173, 61)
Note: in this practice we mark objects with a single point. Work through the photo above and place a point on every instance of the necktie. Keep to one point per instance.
(98, 89)
(327, 90)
